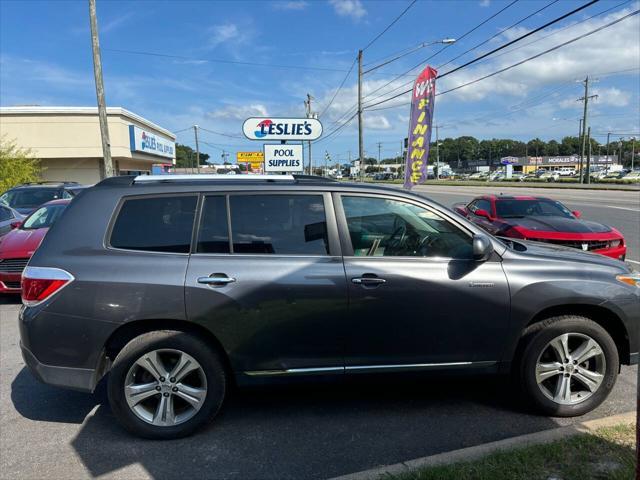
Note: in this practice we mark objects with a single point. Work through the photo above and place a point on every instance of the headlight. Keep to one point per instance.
(615, 243)
(632, 279)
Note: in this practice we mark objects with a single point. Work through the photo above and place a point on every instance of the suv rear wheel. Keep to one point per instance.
(569, 365)
(166, 384)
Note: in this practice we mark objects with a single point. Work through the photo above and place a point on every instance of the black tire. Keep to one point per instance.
(208, 359)
(535, 340)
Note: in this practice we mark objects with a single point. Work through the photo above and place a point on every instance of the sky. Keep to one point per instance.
(215, 63)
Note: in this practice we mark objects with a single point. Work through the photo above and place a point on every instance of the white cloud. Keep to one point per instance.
(107, 26)
(239, 112)
(485, 3)
(223, 33)
(349, 8)
(377, 122)
(613, 97)
(295, 5)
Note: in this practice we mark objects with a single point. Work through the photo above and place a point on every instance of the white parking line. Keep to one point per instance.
(633, 261)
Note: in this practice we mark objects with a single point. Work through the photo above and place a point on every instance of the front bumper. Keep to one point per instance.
(81, 379)
(619, 253)
(10, 282)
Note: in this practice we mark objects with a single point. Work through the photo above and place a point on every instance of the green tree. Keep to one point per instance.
(17, 165)
(186, 156)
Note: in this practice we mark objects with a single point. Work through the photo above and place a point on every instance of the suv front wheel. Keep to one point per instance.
(569, 365)
(166, 384)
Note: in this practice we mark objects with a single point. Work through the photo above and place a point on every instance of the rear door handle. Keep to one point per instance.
(218, 279)
(368, 281)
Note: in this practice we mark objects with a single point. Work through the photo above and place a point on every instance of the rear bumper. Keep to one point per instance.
(81, 379)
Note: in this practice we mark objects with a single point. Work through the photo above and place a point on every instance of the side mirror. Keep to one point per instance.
(16, 224)
(482, 213)
(577, 213)
(482, 247)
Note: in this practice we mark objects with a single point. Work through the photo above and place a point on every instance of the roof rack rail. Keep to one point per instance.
(208, 177)
(312, 178)
(49, 182)
(117, 181)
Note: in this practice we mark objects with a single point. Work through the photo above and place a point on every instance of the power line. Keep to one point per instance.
(497, 34)
(559, 30)
(340, 87)
(390, 25)
(515, 64)
(229, 135)
(469, 32)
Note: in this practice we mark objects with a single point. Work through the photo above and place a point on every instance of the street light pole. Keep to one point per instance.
(107, 164)
(195, 131)
(360, 139)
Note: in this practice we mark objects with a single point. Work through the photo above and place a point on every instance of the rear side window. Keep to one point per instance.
(279, 224)
(155, 224)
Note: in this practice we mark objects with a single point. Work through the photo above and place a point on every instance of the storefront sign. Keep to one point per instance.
(283, 158)
(250, 156)
(263, 128)
(150, 143)
(422, 103)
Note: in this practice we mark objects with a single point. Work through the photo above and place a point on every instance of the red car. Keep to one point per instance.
(542, 219)
(17, 246)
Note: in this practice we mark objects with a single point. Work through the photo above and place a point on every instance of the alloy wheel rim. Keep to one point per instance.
(571, 368)
(165, 387)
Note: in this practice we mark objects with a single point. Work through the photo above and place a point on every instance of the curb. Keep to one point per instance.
(479, 451)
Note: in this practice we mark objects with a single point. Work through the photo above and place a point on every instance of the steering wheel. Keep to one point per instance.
(396, 243)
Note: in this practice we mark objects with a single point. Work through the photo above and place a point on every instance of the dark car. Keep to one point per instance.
(183, 286)
(27, 197)
(542, 219)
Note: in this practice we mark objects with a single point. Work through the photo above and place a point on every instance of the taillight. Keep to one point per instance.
(40, 283)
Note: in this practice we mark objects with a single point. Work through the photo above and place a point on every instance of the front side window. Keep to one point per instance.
(156, 224)
(5, 214)
(279, 224)
(43, 217)
(531, 208)
(481, 204)
(379, 227)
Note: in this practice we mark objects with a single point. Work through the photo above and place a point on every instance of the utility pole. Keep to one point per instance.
(195, 131)
(307, 104)
(379, 148)
(360, 139)
(608, 135)
(588, 179)
(633, 150)
(107, 163)
(585, 100)
(437, 151)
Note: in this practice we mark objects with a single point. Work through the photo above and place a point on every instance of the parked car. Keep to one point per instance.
(17, 246)
(632, 176)
(542, 219)
(479, 176)
(8, 216)
(566, 171)
(27, 197)
(180, 287)
(550, 176)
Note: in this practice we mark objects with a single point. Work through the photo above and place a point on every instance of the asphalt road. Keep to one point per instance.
(311, 432)
(619, 209)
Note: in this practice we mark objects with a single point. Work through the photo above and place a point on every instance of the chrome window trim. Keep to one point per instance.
(371, 368)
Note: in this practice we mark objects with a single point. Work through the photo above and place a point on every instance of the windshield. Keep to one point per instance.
(531, 208)
(43, 217)
(29, 197)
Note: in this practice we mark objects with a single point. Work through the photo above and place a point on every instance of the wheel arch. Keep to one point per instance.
(604, 317)
(128, 331)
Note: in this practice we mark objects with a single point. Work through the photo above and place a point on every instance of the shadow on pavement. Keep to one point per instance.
(11, 299)
(296, 432)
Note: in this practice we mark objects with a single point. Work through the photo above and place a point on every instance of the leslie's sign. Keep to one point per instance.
(147, 142)
(270, 128)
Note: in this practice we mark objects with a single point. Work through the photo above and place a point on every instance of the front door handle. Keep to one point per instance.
(216, 279)
(368, 281)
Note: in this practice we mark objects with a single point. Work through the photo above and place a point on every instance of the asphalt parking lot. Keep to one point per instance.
(298, 432)
(313, 432)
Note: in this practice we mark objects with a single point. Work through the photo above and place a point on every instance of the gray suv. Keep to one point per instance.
(182, 286)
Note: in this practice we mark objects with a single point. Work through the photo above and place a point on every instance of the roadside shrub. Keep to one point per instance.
(17, 165)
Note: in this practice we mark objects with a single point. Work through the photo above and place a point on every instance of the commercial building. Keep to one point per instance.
(68, 143)
(531, 164)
